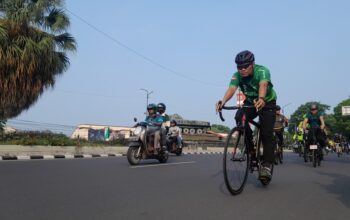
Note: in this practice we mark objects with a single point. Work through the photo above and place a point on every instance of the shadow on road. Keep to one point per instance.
(339, 187)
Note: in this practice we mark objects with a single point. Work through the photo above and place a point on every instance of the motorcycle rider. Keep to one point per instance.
(155, 122)
(161, 107)
(175, 131)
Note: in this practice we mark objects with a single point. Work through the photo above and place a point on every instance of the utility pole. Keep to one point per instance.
(147, 95)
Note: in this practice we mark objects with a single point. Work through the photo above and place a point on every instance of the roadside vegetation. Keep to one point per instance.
(32, 138)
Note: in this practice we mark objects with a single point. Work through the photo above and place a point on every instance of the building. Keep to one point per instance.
(101, 132)
(9, 130)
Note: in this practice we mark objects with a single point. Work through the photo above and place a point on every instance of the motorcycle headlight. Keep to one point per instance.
(137, 131)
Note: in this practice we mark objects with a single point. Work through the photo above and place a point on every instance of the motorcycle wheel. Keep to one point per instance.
(164, 157)
(132, 156)
(178, 152)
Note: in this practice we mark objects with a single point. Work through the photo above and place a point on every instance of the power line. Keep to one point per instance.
(93, 94)
(150, 60)
(27, 122)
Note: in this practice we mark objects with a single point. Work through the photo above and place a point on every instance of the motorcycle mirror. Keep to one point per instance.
(135, 119)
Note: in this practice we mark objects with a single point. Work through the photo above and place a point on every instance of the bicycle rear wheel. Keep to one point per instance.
(281, 154)
(314, 158)
(235, 162)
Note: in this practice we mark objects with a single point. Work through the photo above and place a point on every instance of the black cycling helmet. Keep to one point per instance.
(152, 106)
(278, 108)
(173, 121)
(313, 107)
(161, 106)
(244, 58)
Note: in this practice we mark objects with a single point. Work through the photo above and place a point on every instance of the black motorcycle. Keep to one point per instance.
(173, 145)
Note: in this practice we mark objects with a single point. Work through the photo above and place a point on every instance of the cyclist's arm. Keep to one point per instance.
(263, 88)
(286, 121)
(229, 94)
(322, 123)
(306, 120)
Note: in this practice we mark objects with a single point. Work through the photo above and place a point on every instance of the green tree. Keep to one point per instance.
(298, 115)
(220, 128)
(2, 125)
(342, 123)
(33, 51)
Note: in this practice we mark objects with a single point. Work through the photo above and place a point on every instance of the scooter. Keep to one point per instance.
(141, 146)
(173, 146)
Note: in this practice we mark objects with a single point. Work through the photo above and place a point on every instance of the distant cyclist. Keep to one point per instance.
(316, 122)
(255, 82)
(280, 123)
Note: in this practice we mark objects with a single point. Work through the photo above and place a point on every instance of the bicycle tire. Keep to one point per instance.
(281, 156)
(235, 152)
(314, 158)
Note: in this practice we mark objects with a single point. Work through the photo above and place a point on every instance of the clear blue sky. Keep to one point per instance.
(305, 44)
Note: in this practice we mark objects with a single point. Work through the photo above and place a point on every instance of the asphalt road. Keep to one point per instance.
(188, 187)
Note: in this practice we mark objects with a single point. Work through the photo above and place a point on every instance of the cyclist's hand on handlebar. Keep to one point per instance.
(259, 104)
(219, 106)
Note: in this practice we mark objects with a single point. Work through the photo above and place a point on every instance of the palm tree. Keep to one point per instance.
(33, 51)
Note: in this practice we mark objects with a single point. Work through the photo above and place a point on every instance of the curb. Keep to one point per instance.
(57, 157)
(82, 156)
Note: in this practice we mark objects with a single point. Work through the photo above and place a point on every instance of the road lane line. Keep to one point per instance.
(163, 164)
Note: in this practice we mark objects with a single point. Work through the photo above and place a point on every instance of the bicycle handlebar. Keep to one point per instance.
(233, 108)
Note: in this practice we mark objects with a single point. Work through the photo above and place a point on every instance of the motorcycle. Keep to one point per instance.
(141, 146)
(173, 146)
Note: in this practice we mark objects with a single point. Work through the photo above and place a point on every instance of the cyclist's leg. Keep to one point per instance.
(279, 135)
(321, 139)
(267, 119)
(250, 114)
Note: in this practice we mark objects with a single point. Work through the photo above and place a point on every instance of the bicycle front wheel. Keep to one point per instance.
(235, 161)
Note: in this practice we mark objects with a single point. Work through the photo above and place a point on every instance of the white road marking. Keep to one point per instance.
(163, 164)
(23, 157)
(69, 156)
(48, 157)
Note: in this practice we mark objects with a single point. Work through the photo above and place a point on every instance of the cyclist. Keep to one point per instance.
(255, 82)
(280, 123)
(155, 122)
(299, 138)
(316, 121)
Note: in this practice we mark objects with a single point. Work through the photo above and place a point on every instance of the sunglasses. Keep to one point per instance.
(314, 109)
(246, 66)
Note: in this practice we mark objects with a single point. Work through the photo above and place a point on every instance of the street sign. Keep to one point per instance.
(345, 110)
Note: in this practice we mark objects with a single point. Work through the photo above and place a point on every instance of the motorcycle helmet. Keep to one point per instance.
(152, 106)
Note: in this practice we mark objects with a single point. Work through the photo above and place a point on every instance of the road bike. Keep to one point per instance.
(239, 158)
